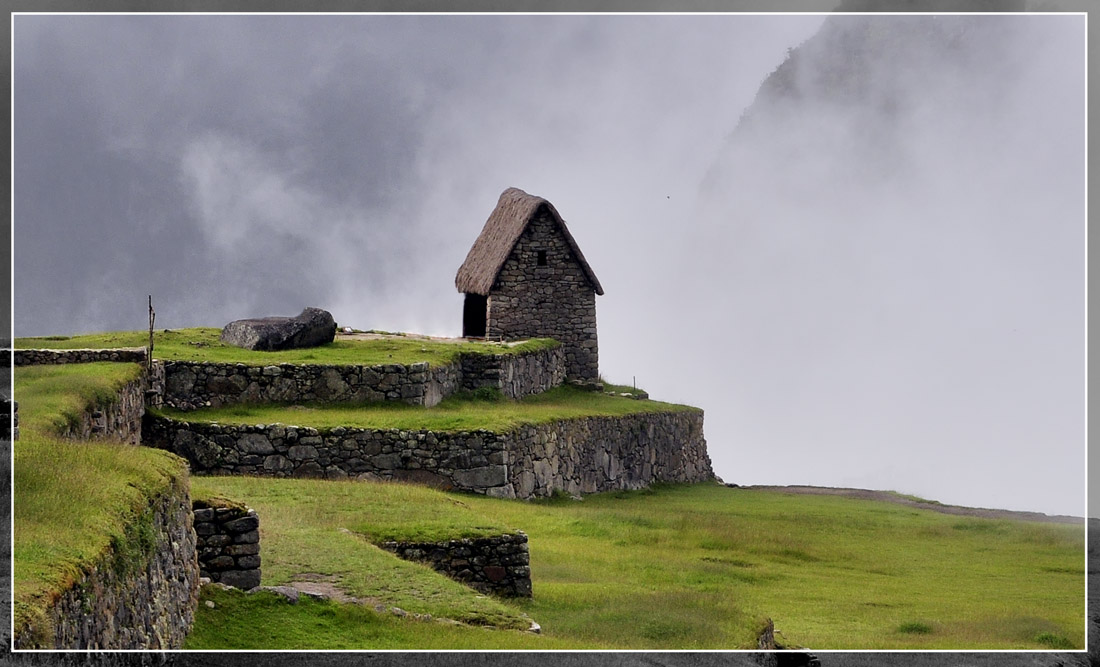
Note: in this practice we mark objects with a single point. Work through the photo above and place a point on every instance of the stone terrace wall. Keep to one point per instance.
(191, 385)
(577, 456)
(228, 544)
(33, 357)
(499, 565)
(516, 375)
(118, 420)
(128, 600)
(595, 454)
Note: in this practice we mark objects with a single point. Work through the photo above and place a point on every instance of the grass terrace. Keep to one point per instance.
(53, 397)
(329, 531)
(674, 567)
(74, 500)
(466, 411)
(203, 344)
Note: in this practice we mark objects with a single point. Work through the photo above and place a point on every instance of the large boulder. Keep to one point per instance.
(311, 328)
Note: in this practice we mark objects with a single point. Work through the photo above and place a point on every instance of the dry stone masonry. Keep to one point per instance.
(525, 277)
(586, 455)
(228, 544)
(140, 596)
(190, 385)
(119, 419)
(546, 297)
(80, 356)
(499, 565)
(515, 375)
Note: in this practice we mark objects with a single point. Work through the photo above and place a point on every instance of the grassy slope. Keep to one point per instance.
(685, 567)
(53, 397)
(457, 413)
(73, 499)
(318, 527)
(202, 344)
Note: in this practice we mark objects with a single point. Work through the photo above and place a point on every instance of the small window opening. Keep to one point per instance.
(542, 258)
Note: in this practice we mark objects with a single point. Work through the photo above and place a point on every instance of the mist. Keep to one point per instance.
(892, 300)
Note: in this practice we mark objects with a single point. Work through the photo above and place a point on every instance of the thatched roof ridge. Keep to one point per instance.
(498, 237)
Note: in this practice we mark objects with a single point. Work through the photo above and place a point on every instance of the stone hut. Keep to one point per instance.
(525, 277)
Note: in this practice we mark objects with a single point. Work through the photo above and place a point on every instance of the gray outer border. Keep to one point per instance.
(570, 659)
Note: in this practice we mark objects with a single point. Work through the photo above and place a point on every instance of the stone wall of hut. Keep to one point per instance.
(542, 291)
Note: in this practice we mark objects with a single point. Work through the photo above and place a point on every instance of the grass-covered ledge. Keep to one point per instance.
(466, 411)
(203, 344)
(77, 502)
(53, 398)
(328, 532)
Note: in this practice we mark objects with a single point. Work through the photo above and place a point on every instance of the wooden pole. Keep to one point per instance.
(152, 318)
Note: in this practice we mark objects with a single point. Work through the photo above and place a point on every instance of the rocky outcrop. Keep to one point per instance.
(312, 327)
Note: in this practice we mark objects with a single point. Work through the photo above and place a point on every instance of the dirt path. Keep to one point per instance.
(887, 496)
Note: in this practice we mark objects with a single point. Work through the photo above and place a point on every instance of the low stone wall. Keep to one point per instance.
(596, 454)
(142, 596)
(228, 544)
(499, 565)
(118, 420)
(515, 375)
(189, 385)
(33, 357)
(577, 455)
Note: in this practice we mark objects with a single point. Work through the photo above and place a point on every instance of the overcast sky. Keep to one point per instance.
(921, 331)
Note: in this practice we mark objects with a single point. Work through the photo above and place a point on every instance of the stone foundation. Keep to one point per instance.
(498, 565)
(586, 455)
(516, 375)
(228, 544)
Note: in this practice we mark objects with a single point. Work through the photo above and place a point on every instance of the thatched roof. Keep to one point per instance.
(506, 223)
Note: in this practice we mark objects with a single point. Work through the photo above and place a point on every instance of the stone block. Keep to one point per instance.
(251, 537)
(483, 477)
(243, 524)
(243, 579)
(249, 562)
(242, 549)
(255, 443)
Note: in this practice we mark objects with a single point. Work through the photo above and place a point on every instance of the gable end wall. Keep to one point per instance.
(555, 301)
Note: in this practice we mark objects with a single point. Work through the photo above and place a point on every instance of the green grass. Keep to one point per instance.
(53, 397)
(311, 527)
(262, 620)
(203, 344)
(699, 566)
(457, 413)
(74, 500)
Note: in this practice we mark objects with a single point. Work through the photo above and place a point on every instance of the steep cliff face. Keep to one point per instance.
(855, 92)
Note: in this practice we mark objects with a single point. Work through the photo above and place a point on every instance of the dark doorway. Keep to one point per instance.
(473, 316)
